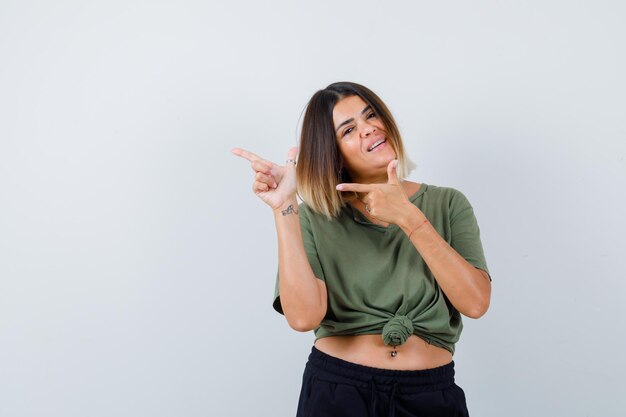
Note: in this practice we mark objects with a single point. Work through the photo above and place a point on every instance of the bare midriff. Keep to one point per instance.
(370, 350)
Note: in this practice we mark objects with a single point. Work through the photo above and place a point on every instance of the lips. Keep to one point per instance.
(375, 144)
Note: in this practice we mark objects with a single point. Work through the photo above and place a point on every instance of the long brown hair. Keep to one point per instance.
(320, 166)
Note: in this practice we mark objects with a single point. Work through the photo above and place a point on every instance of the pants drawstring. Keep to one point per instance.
(373, 399)
(392, 399)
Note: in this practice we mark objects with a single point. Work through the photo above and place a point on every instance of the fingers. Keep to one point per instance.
(259, 187)
(262, 166)
(292, 153)
(359, 188)
(245, 154)
(290, 163)
(266, 179)
(392, 172)
(258, 164)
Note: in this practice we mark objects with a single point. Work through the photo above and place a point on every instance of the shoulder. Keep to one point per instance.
(309, 214)
(445, 192)
(306, 211)
(310, 217)
(446, 198)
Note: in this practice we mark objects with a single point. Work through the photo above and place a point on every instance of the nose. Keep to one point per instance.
(367, 129)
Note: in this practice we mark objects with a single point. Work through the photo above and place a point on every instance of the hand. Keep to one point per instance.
(385, 202)
(274, 184)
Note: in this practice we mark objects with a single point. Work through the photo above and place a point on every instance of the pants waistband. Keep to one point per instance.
(385, 379)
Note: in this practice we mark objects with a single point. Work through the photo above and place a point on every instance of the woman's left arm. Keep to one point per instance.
(467, 287)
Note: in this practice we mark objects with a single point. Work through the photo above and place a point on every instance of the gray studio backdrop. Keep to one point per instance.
(137, 268)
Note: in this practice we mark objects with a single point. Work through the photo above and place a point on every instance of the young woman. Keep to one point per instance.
(380, 267)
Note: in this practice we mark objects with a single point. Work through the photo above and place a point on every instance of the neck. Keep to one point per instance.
(380, 179)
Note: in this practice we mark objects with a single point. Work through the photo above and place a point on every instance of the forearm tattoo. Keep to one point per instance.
(289, 210)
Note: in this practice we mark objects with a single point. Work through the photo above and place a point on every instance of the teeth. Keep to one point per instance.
(375, 144)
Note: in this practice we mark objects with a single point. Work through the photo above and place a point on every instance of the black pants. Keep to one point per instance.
(332, 387)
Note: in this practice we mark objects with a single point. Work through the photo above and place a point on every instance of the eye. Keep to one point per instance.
(372, 114)
(348, 130)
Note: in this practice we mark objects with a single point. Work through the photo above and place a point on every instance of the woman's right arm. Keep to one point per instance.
(302, 295)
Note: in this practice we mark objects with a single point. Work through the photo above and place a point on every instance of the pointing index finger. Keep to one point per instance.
(359, 188)
(246, 154)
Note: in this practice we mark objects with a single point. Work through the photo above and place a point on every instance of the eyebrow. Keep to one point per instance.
(350, 120)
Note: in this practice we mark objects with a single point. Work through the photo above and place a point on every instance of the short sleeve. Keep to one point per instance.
(465, 233)
(311, 253)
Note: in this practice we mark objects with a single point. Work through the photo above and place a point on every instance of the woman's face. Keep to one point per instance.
(361, 140)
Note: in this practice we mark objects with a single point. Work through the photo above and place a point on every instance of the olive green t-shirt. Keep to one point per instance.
(376, 280)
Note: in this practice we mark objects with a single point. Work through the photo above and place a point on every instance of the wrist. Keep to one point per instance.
(287, 207)
(417, 228)
(412, 220)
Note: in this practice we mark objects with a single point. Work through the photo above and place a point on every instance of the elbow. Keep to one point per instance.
(480, 299)
(305, 318)
(477, 310)
(305, 321)
(303, 324)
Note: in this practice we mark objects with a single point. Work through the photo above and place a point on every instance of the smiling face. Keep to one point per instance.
(362, 141)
